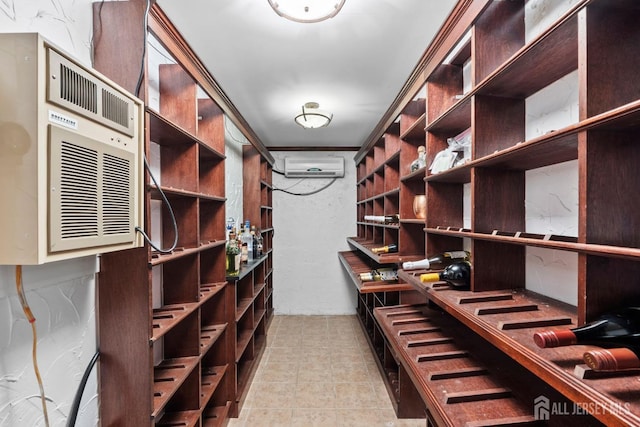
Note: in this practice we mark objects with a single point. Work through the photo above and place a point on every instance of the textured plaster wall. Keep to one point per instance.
(61, 294)
(551, 193)
(309, 232)
(234, 140)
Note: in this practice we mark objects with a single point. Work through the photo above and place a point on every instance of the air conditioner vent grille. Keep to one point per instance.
(115, 108)
(115, 195)
(78, 90)
(92, 190)
(78, 192)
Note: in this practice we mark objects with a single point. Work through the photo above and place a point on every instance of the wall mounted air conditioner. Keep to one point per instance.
(71, 166)
(324, 167)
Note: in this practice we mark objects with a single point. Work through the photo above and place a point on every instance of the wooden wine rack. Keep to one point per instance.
(461, 381)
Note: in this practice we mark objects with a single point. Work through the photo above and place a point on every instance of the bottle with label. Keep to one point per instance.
(387, 249)
(437, 261)
(254, 243)
(380, 274)
(457, 275)
(247, 240)
(385, 219)
(231, 223)
(617, 328)
(260, 243)
(421, 161)
(233, 255)
(614, 359)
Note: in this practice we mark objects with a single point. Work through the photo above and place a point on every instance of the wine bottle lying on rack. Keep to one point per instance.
(387, 249)
(457, 275)
(437, 261)
(617, 328)
(614, 359)
(379, 274)
(385, 219)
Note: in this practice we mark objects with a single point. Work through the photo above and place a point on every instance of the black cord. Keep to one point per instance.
(146, 164)
(75, 406)
(277, 171)
(144, 48)
(173, 216)
(309, 193)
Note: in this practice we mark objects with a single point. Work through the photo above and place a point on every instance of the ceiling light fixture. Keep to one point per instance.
(312, 117)
(307, 11)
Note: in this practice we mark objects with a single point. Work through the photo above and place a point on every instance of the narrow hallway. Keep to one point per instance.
(318, 371)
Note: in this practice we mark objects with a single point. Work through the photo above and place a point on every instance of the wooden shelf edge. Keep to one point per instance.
(415, 175)
(216, 416)
(177, 370)
(384, 194)
(182, 418)
(365, 247)
(180, 252)
(167, 317)
(392, 226)
(604, 120)
(553, 242)
(243, 306)
(209, 335)
(243, 340)
(354, 267)
(211, 379)
(247, 268)
(210, 290)
(417, 128)
(165, 126)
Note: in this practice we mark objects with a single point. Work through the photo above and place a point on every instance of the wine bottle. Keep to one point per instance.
(254, 243)
(386, 219)
(614, 329)
(247, 240)
(385, 249)
(260, 243)
(437, 261)
(457, 275)
(233, 255)
(380, 274)
(614, 359)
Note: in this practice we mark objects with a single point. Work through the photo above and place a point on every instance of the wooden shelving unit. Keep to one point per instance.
(495, 65)
(371, 295)
(249, 302)
(258, 208)
(177, 339)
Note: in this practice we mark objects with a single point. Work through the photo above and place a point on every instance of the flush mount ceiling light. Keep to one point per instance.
(307, 11)
(312, 117)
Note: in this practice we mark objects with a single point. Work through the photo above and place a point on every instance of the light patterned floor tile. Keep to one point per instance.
(318, 371)
(304, 417)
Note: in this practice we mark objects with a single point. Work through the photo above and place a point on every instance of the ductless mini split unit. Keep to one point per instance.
(323, 167)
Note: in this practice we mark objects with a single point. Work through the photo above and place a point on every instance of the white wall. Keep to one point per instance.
(309, 232)
(61, 294)
(233, 140)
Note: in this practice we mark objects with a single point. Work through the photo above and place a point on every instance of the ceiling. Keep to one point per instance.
(353, 65)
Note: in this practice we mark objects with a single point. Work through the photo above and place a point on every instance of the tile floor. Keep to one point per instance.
(318, 371)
